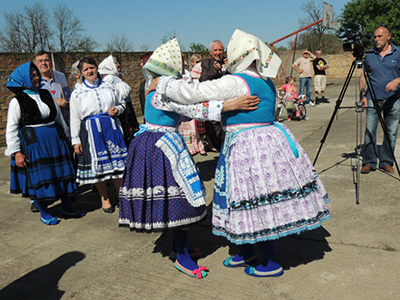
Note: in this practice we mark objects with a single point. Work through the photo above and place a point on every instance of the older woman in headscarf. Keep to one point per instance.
(96, 133)
(76, 75)
(110, 71)
(41, 163)
(266, 187)
(161, 187)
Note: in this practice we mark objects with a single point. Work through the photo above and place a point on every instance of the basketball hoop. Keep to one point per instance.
(328, 21)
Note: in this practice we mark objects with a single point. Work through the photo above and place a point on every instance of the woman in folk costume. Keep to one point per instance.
(41, 163)
(187, 127)
(265, 185)
(110, 71)
(96, 132)
(161, 187)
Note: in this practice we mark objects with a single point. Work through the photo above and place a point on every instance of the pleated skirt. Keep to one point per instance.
(264, 189)
(50, 174)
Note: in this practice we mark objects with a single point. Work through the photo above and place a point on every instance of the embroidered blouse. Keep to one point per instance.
(226, 88)
(91, 98)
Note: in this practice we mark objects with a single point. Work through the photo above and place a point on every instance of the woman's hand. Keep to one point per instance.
(242, 103)
(113, 112)
(20, 160)
(78, 149)
(153, 85)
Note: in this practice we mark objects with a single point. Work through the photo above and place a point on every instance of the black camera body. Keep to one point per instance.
(221, 61)
(356, 42)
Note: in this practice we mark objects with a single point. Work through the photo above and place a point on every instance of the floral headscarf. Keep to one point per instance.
(244, 48)
(166, 59)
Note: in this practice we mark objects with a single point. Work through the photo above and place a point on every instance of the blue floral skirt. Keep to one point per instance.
(150, 198)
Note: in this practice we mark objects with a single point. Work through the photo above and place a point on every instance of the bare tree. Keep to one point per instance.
(84, 44)
(28, 30)
(11, 36)
(144, 47)
(68, 27)
(119, 43)
(169, 36)
(36, 31)
(318, 36)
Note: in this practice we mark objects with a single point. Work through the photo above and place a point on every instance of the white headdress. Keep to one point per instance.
(166, 59)
(107, 66)
(244, 48)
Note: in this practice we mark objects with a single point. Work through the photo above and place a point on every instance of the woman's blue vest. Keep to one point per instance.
(265, 90)
(158, 117)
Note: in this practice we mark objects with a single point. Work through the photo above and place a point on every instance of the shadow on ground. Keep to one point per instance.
(42, 283)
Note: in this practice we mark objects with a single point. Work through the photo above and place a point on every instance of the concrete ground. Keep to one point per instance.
(354, 256)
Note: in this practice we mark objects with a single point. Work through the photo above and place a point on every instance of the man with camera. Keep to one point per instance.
(382, 64)
(213, 68)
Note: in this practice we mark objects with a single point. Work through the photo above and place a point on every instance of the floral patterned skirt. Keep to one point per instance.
(150, 199)
(266, 187)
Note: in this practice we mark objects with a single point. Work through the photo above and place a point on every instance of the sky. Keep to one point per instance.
(147, 22)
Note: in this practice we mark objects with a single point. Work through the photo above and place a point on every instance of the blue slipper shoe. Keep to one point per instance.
(52, 221)
(230, 263)
(199, 273)
(252, 271)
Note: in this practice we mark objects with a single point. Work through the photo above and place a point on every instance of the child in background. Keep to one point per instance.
(290, 97)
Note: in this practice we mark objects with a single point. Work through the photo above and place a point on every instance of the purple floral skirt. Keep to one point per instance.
(150, 199)
(264, 188)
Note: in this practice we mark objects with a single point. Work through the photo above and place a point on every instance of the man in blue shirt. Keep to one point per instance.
(61, 94)
(382, 64)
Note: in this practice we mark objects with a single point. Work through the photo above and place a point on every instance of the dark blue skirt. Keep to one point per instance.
(50, 174)
(150, 198)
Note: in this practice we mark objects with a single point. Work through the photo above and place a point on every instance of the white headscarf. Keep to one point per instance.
(166, 59)
(244, 48)
(107, 67)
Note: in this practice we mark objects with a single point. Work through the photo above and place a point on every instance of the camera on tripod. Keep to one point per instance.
(356, 42)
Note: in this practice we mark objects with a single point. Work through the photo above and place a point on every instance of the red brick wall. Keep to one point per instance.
(63, 61)
(339, 66)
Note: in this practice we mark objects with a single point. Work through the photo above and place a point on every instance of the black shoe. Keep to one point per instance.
(34, 209)
(74, 214)
(325, 100)
(109, 210)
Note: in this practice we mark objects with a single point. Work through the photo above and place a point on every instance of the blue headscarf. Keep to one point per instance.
(20, 78)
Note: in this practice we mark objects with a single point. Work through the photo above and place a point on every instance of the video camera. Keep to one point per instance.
(356, 42)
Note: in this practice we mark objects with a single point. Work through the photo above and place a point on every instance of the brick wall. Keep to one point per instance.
(63, 61)
(339, 66)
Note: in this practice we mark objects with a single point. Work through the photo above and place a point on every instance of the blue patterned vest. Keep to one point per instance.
(265, 90)
(155, 116)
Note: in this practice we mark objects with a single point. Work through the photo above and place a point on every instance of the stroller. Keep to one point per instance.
(295, 107)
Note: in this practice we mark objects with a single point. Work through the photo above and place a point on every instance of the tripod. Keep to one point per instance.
(357, 63)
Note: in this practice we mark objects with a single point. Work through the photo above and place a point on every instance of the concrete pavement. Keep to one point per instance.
(354, 256)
